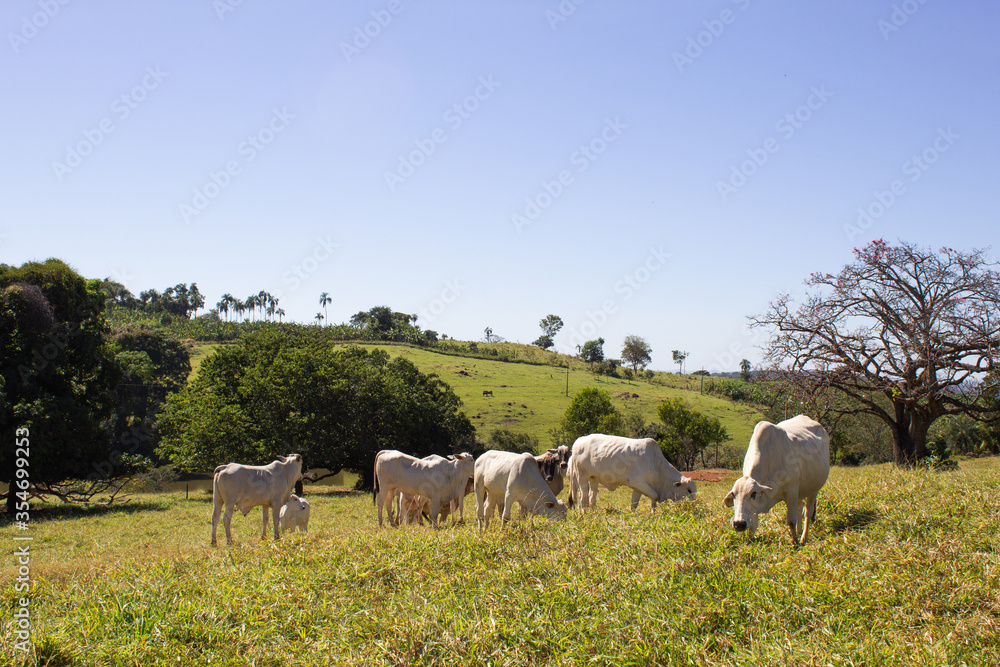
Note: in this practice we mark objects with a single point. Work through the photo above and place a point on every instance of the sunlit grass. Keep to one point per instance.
(901, 569)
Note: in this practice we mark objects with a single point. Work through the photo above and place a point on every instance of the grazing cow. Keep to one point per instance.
(789, 462)
(487, 392)
(295, 514)
(246, 487)
(437, 478)
(412, 509)
(503, 478)
(615, 461)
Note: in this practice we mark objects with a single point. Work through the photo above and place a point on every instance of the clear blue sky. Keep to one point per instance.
(659, 168)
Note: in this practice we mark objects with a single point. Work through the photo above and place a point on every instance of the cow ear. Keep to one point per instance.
(550, 504)
(281, 458)
(678, 483)
(451, 457)
(728, 501)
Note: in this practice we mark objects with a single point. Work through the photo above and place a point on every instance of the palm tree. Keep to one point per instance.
(239, 307)
(250, 304)
(319, 318)
(324, 299)
(223, 307)
(280, 311)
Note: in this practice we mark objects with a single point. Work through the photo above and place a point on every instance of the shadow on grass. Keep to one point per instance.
(60, 512)
(850, 520)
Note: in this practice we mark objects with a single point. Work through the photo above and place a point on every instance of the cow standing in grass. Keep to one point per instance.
(786, 462)
(615, 461)
(246, 487)
(437, 478)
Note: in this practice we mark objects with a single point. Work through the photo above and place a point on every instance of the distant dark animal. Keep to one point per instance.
(487, 392)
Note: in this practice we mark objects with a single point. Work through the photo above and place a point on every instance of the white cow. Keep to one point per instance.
(615, 461)
(439, 479)
(413, 508)
(246, 487)
(789, 462)
(503, 478)
(295, 514)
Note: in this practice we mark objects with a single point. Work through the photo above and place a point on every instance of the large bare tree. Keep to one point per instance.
(903, 333)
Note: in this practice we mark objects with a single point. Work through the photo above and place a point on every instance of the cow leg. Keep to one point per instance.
(809, 518)
(640, 489)
(508, 505)
(276, 520)
(635, 499)
(227, 519)
(263, 515)
(489, 507)
(435, 510)
(381, 504)
(216, 512)
(794, 511)
(591, 493)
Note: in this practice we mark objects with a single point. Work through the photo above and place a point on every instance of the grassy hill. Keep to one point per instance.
(900, 569)
(530, 398)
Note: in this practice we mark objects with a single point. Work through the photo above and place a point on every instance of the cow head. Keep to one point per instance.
(562, 453)
(556, 510)
(294, 502)
(748, 498)
(684, 488)
(294, 458)
(549, 466)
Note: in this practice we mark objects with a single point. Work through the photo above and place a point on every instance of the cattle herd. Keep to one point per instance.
(786, 462)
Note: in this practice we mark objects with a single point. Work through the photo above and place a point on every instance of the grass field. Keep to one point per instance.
(532, 399)
(902, 568)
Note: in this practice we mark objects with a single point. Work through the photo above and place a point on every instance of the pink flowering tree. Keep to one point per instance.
(903, 333)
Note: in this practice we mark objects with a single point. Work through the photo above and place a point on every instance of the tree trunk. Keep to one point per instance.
(902, 442)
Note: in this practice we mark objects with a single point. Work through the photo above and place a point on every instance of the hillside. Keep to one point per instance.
(531, 399)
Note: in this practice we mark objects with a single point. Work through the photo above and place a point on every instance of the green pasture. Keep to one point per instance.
(902, 568)
(532, 399)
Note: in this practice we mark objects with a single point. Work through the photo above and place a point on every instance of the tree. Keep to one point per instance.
(688, 433)
(903, 333)
(274, 392)
(636, 352)
(590, 412)
(745, 370)
(550, 324)
(593, 351)
(324, 300)
(319, 318)
(679, 358)
(57, 373)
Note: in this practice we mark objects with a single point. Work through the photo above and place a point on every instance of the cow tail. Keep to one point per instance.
(375, 485)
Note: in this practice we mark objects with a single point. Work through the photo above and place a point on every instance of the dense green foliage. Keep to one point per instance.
(593, 351)
(592, 411)
(688, 433)
(154, 365)
(279, 392)
(57, 371)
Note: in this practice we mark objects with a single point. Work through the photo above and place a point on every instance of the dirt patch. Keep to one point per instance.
(710, 475)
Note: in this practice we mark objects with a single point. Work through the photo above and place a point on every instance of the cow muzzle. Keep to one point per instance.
(739, 525)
